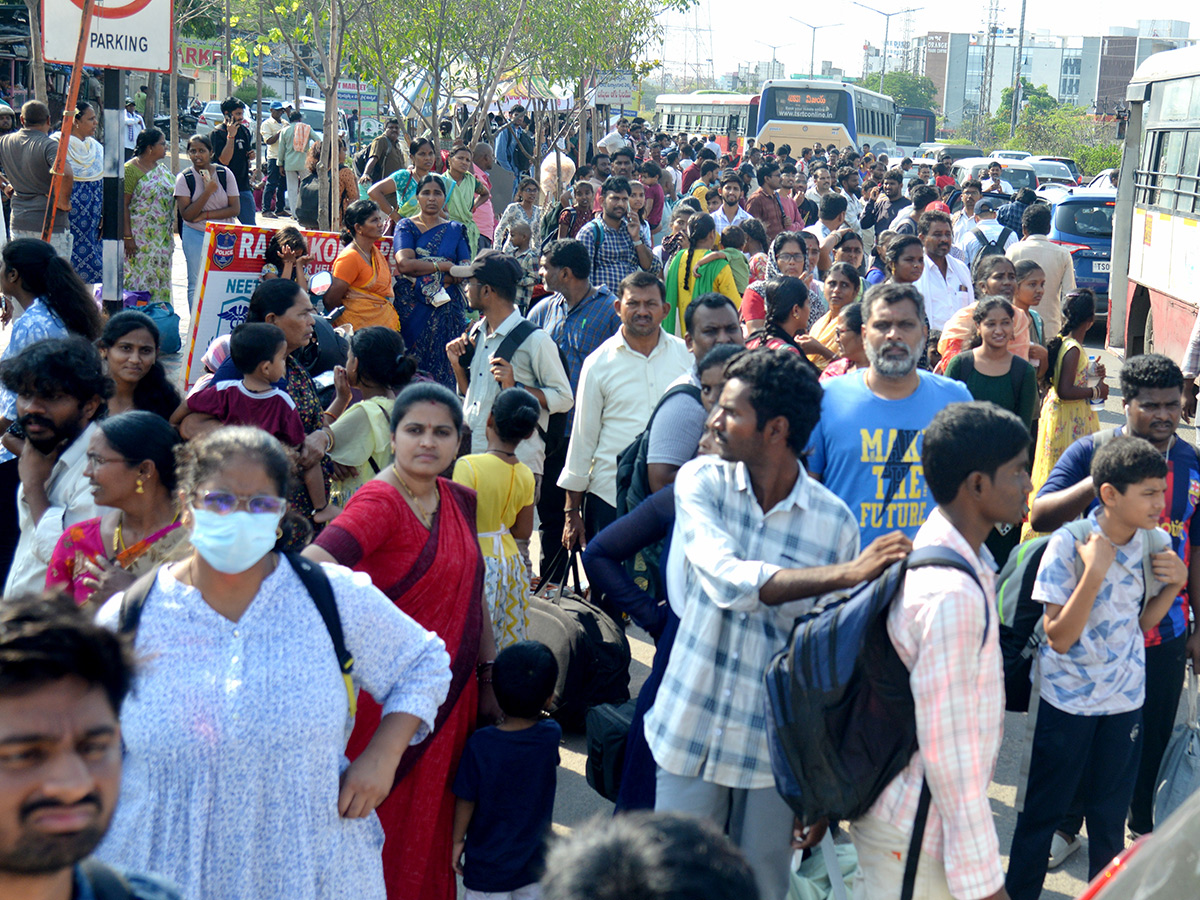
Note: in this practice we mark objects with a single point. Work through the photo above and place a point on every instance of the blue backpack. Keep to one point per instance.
(842, 718)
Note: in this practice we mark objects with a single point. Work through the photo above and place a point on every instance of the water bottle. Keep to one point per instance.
(1093, 379)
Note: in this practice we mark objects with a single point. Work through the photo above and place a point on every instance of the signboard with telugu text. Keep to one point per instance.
(124, 34)
(614, 89)
(233, 259)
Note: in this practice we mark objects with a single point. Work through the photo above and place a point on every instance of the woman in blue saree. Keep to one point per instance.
(429, 300)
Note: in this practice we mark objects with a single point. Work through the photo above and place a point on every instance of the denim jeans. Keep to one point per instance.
(247, 208)
(193, 252)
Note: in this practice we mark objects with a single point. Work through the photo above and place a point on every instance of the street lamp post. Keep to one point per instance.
(887, 21)
(812, 53)
(773, 47)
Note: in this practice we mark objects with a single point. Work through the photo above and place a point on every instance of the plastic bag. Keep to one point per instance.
(1179, 774)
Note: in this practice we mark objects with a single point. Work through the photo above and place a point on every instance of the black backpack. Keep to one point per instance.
(842, 722)
(189, 179)
(311, 576)
(309, 206)
(361, 158)
(989, 247)
(633, 481)
(554, 434)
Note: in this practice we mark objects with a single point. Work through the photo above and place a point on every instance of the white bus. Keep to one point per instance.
(1155, 285)
(726, 115)
(802, 112)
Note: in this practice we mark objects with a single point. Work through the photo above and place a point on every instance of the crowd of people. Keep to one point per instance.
(818, 376)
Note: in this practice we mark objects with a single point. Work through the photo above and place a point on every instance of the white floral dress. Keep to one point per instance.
(234, 736)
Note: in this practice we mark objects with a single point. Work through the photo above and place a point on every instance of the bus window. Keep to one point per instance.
(1189, 184)
(1171, 156)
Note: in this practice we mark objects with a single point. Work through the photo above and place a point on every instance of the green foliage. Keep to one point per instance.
(903, 87)
(248, 92)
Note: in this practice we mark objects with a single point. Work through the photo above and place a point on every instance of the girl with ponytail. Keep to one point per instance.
(691, 274)
(787, 305)
(1066, 413)
(379, 367)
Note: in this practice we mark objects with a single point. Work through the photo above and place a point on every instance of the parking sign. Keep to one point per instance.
(125, 34)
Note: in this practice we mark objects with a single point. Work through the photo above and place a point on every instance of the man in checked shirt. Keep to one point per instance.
(756, 540)
(976, 460)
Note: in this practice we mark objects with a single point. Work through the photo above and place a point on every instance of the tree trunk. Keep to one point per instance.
(152, 91)
(35, 41)
(502, 66)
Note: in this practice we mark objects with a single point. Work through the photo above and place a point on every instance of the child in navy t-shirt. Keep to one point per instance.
(506, 780)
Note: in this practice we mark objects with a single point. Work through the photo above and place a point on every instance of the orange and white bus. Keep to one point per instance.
(1156, 222)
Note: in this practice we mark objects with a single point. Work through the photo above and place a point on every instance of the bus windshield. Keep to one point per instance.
(801, 105)
(910, 131)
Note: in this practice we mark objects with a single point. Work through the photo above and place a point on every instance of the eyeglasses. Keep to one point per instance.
(95, 460)
(790, 257)
(222, 502)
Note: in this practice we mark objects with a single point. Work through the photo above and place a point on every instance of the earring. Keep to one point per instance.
(139, 487)
(279, 532)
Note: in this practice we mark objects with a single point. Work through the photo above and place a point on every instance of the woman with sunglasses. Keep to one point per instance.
(235, 783)
(131, 465)
(415, 534)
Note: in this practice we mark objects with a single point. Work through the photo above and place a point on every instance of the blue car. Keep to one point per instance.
(1082, 222)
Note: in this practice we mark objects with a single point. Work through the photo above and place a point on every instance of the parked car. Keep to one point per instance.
(1010, 154)
(954, 151)
(1161, 865)
(1017, 172)
(1051, 172)
(1103, 178)
(1082, 223)
(1066, 161)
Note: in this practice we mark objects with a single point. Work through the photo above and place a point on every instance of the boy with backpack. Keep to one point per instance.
(944, 628)
(500, 824)
(1091, 669)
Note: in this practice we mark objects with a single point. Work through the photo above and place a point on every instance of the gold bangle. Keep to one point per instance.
(329, 434)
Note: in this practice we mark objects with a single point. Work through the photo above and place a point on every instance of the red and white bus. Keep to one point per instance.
(1156, 223)
(726, 115)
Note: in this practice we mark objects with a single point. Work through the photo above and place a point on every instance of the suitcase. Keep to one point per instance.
(591, 649)
(607, 731)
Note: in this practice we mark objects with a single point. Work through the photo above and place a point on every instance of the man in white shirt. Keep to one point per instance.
(134, 125)
(1056, 262)
(822, 184)
(946, 283)
(531, 362)
(964, 219)
(619, 386)
(617, 138)
(61, 389)
(993, 183)
(987, 230)
(730, 211)
(274, 202)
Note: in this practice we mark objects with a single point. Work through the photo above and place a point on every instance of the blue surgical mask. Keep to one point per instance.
(233, 542)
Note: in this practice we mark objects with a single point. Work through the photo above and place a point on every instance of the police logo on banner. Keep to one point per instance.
(223, 252)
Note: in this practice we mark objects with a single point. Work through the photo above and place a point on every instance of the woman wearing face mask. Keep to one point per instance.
(131, 465)
(414, 533)
(239, 716)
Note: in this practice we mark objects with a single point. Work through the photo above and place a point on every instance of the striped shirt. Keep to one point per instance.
(709, 718)
(947, 636)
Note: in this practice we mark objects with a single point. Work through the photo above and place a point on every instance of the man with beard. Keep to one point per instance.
(867, 446)
(62, 681)
(619, 386)
(614, 241)
(883, 209)
(730, 212)
(61, 389)
(1152, 392)
(848, 186)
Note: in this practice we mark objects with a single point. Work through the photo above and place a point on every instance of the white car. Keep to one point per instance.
(1009, 154)
(211, 116)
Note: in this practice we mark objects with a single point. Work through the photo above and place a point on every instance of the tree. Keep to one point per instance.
(1034, 101)
(905, 88)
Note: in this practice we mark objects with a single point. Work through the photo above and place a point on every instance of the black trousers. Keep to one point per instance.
(1094, 756)
(275, 193)
(553, 562)
(1164, 686)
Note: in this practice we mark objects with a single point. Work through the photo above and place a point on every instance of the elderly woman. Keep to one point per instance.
(414, 533)
(235, 780)
(149, 218)
(131, 465)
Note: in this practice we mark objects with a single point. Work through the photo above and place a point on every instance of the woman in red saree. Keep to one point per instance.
(414, 533)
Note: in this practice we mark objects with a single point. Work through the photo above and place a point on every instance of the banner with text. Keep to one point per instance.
(233, 259)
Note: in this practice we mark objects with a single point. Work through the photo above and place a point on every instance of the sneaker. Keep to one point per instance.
(1062, 847)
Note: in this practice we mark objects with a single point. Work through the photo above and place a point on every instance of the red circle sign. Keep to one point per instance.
(116, 12)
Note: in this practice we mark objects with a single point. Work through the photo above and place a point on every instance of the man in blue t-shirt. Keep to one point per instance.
(867, 446)
(1152, 392)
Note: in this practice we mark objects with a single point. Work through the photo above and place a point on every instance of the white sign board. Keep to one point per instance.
(125, 34)
(615, 89)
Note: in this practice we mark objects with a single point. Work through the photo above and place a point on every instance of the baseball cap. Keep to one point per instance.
(986, 205)
(938, 205)
(492, 267)
(276, 104)
(129, 101)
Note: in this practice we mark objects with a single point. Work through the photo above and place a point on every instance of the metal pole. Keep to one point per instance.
(113, 248)
(64, 142)
(887, 23)
(1016, 97)
(812, 54)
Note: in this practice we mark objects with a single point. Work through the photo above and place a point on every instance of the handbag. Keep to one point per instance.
(167, 321)
(1179, 773)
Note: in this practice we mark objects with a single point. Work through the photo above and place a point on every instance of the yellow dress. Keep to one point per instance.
(824, 331)
(1062, 422)
(362, 439)
(503, 490)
